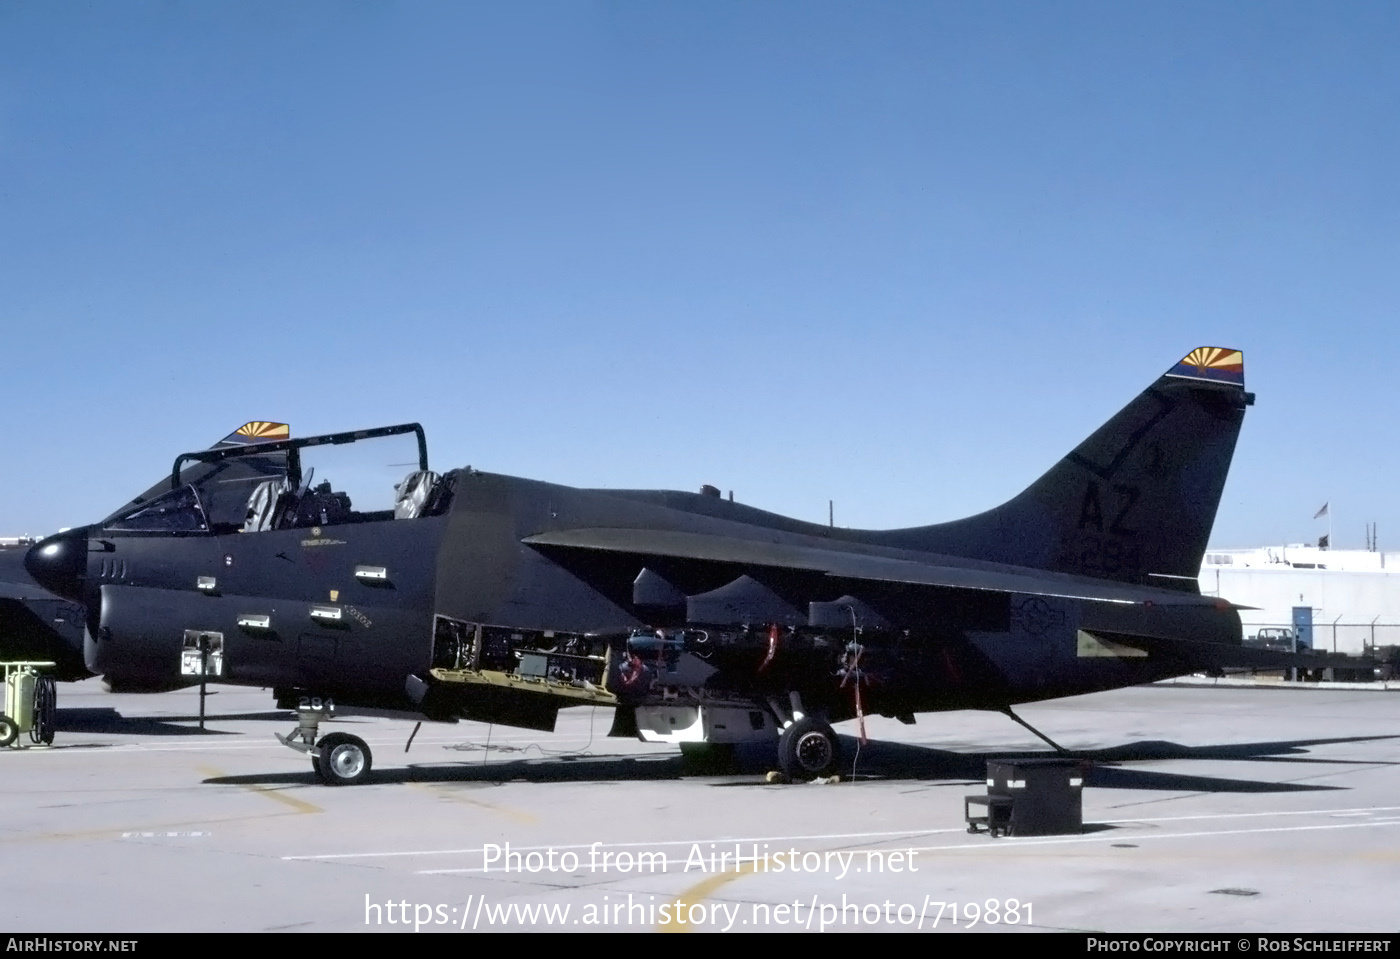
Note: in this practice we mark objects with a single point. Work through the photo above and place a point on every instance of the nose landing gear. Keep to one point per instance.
(344, 760)
(339, 759)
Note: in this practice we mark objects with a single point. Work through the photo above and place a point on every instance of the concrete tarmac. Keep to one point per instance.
(1226, 809)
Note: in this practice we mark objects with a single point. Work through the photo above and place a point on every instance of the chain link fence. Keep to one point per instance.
(1355, 639)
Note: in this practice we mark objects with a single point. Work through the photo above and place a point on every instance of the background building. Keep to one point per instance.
(1353, 595)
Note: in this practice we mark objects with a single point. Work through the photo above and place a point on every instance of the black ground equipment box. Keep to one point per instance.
(1030, 797)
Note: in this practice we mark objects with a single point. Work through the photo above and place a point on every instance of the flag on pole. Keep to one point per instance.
(1322, 512)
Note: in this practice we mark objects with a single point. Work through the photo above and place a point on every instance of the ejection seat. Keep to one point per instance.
(413, 494)
(265, 505)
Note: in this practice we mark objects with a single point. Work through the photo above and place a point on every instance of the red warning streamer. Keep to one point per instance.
(853, 672)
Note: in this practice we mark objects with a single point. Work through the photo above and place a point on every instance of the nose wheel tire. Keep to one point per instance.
(808, 749)
(344, 761)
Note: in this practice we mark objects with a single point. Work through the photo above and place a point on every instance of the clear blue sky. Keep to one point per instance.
(902, 256)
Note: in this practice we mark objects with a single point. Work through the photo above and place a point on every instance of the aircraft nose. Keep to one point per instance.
(59, 563)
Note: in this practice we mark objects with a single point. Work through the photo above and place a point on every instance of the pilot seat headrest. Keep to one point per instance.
(412, 494)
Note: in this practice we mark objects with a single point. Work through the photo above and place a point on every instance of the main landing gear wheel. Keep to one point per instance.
(808, 749)
(9, 730)
(344, 761)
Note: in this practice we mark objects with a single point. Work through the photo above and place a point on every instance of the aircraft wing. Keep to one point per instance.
(21, 591)
(707, 547)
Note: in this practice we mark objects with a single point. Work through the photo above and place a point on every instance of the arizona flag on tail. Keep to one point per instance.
(1211, 363)
(256, 432)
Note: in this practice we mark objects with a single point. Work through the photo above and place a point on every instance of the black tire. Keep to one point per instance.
(345, 760)
(9, 730)
(316, 768)
(45, 710)
(809, 749)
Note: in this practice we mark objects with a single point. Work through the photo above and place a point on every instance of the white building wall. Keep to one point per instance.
(1355, 600)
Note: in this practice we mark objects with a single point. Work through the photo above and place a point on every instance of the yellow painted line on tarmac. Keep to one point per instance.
(454, 795)
(698, 893)
(276, 795)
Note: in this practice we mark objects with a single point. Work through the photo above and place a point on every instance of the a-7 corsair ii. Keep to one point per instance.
(467, 594)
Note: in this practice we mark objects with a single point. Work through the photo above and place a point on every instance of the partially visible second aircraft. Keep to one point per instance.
(38, 625)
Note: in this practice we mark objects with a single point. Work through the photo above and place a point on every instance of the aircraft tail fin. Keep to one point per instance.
(1135, 501)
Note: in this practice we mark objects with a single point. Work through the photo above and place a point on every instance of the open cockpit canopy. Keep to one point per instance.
(354, 477)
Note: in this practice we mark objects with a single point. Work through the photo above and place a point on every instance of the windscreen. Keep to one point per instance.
(178, 511)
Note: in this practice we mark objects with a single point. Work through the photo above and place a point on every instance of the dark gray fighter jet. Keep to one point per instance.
(300, 564)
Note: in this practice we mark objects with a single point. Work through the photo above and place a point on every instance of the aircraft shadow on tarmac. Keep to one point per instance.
(1102, 769)
(877, 760)
(105, 719)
